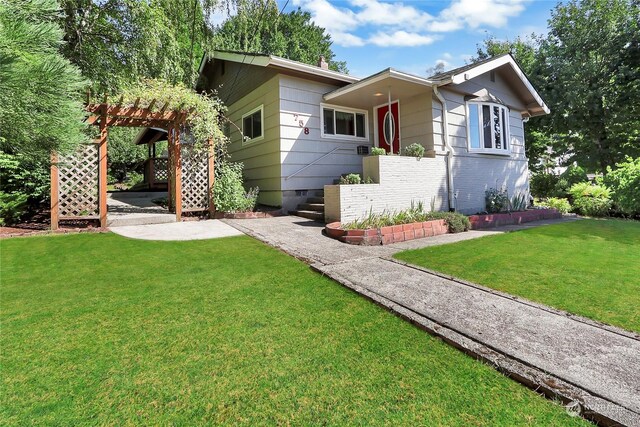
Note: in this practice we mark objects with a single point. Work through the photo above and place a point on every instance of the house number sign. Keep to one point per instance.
(301, 121)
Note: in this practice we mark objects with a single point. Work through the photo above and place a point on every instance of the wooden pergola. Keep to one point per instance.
(105, 115)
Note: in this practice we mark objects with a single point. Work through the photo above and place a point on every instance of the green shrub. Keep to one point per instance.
(456, 222)
(134, 178)
(228, 193)
(352, 178)
(26, 174)
(414, 150)
(12, 207)
(561, 205)
(496, 200)
(377, 151)
(543, 184)
(573, 175)
(591, 200)
(624, 182)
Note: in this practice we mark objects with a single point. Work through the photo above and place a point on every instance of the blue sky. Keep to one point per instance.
(414, 35)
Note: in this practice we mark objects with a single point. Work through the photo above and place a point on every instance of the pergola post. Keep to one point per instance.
(170, 161)
(102, 168)
(55, 192)
(211, 177)
(177, 167)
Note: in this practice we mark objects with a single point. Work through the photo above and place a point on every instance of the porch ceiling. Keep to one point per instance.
(374, 90)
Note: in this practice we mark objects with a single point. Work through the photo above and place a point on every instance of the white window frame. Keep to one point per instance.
(505, 126)
(344, 110)
(250, 113)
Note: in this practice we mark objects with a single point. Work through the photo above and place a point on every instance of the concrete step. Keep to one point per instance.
(316, 200)
(317, 207)
(316, 216)
(139, 219)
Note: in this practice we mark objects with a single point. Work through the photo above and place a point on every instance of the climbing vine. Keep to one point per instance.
(204, 110)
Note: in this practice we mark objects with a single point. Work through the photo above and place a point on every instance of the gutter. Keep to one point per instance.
(445, 136)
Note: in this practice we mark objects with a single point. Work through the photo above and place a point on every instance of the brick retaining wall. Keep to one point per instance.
(496, 220)
(386, 235)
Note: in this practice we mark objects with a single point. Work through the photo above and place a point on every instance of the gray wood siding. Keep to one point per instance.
(237, 81)
(261, 158)
(415, 121)
(300, 99)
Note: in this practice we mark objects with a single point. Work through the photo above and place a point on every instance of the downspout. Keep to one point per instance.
(445, 136)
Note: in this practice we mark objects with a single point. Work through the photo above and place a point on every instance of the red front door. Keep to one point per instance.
(388, 130)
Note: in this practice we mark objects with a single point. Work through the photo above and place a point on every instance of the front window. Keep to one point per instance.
(252, 124)
(342, 122)
(488, 127)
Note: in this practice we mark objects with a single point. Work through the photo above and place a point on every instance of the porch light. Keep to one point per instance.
(378, 94)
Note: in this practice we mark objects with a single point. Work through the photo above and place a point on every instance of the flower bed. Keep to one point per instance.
(388, 234)
(496, 220)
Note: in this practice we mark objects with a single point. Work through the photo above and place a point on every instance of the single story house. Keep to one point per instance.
(297, 128)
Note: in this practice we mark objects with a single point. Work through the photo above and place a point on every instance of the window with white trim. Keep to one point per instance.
(488, 125)
(252, 124)
(337, 122)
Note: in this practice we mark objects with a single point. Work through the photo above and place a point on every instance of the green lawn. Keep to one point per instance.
(588, 267)
(98, 329)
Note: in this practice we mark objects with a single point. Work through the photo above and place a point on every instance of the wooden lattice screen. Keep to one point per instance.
(161, 169)
(78, 183)
(195, 178)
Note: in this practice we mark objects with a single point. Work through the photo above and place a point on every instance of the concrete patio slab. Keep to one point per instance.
(191, 230)
(593, 367)
(136, 208)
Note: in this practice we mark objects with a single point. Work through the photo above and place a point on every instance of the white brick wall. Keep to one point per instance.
(399, 181)
(473, 175)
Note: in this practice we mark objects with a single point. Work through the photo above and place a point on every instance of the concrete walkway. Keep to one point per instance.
(594, 367)
(190, 230)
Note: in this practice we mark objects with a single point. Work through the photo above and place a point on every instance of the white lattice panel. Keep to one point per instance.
(195, 181)
(78, 182)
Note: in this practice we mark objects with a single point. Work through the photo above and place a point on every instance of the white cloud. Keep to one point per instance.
(400, 38)
(475, 13)
(328, 16)
(374, 12)
(347, 39)
(397, 24)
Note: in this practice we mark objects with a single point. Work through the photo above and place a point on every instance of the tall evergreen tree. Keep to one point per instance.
(40, 90)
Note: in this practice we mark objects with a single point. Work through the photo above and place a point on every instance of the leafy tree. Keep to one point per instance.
(40, 106)
(260, 27)
(116, 42)
(591, 64)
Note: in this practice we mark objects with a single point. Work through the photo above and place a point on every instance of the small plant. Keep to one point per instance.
(591, 200)
(496, 200)
(377, 151)
(350, 179)
(561, 205)
(519, 202)
(414, 150)
(368, 180)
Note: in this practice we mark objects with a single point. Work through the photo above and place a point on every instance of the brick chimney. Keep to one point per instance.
(322, 63)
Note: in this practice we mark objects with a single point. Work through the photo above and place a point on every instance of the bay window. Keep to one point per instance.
(488, 127)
